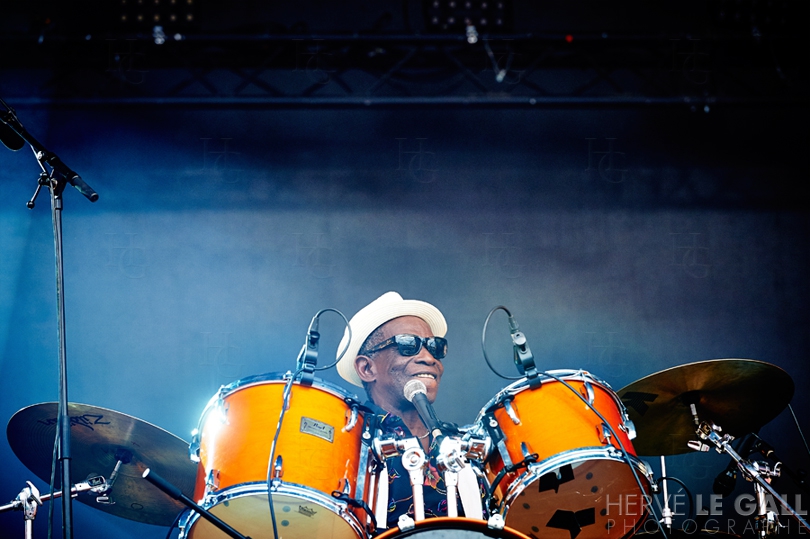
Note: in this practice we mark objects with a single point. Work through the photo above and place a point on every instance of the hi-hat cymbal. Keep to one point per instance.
(739, 395)
(98, 439)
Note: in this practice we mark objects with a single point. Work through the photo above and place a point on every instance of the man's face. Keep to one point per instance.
(394, 370)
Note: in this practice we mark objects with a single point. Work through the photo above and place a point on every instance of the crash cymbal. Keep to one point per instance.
(99, 438)
(739, 395)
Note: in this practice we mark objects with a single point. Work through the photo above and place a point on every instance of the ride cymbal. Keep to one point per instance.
(739, 395)
(99, 439)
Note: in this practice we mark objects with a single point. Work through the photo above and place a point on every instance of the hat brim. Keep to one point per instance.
(384, 309)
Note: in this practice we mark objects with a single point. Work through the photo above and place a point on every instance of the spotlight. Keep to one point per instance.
(472, 35)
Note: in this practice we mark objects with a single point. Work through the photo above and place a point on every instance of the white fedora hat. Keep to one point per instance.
(387, 307)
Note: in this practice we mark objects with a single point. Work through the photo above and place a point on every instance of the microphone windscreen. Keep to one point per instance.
(10, 138)
(413, 387)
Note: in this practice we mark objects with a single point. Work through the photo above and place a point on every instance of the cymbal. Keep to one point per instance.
(739, 395)
(98, 439)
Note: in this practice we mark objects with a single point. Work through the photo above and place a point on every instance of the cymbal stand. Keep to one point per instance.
(767, 522)
(666, 512)
(29, 500)
(711, 433)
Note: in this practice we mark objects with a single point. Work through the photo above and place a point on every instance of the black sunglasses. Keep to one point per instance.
(410, 345)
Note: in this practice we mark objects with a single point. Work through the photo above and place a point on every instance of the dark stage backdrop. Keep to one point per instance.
(624, 241)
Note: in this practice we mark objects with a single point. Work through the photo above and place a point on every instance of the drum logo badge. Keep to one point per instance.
(317, 428)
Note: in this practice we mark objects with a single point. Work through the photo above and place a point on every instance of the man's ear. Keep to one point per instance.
(365, 368)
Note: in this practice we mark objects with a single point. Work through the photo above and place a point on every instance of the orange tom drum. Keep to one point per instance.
(319, 449)
(582, 484)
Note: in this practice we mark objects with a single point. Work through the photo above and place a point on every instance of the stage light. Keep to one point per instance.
(448, 16)
(472, 35)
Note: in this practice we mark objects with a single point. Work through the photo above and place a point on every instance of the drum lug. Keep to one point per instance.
(629, 428)
(222, 406)
(510, 411)
(278, 471)
(588, 393)
(194, 446)
(352, 420)
(211, 481)
(496, 522)
(526, 450)
(604, 433)
(346, 488)
(405, 523)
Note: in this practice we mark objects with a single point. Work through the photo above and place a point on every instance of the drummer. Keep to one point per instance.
(395, 340)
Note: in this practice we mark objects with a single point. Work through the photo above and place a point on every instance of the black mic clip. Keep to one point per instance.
(308, 357)
(523, 357)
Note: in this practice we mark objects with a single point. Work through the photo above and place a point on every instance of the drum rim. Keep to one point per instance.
(227, 494)
(277, 376)
(519, 386)
(435, 521)
(534, 471)
(225, 391)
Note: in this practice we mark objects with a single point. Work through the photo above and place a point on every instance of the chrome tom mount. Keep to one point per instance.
(452, 455)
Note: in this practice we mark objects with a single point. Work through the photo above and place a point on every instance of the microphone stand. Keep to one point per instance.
(56, 180)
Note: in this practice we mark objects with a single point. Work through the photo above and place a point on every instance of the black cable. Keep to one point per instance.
(692, 512)
(284, 404)
(171, 528)
(484, 342)
(53, 481)
(796, 420)
(621, 445)
(349, 340)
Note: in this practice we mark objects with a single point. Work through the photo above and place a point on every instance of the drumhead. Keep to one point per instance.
(300, 513)
(523, 384)
(452, 528)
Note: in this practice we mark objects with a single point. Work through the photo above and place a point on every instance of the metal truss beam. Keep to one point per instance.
(505, 71)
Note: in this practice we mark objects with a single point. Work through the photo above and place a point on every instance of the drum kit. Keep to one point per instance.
(557, 454)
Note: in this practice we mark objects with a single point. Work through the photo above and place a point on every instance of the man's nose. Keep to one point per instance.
(426, 357)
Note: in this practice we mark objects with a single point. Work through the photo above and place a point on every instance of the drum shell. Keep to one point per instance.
(236, 432)
(553, 421)
(582, 481)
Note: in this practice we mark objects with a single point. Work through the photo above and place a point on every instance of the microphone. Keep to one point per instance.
(524, 359)
(10, 138)
(309, 352)
(416, 393)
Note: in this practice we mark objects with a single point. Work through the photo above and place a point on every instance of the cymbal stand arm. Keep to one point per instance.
(29, 500)
(709, 433)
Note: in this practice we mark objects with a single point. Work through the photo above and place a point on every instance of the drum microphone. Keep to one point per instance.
(308, 357)
(416, 393)
(524, 359)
